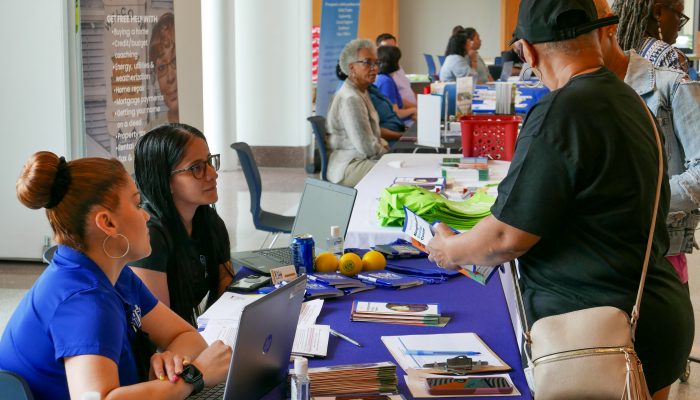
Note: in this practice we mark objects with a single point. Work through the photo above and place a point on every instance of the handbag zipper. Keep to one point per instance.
(598, 351)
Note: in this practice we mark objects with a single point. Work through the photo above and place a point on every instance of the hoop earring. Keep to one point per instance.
(535, 72)
(104, 243)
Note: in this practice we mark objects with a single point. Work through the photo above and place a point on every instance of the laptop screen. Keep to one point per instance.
(322, 205)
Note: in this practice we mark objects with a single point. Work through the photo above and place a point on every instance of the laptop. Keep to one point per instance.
(260, 358)
(323, 204)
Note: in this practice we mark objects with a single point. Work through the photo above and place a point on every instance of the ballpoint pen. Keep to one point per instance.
(415, 352)
(347, 339)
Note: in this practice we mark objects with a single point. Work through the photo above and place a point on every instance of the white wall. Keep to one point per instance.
(33, 109)
(273, 72)
(425, 27)
(188, 38)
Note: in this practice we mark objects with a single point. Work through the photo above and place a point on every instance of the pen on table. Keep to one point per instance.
(372, 279)
(413, 352)
(347, 339)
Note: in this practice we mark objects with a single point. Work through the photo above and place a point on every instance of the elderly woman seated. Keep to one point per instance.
(353, 124)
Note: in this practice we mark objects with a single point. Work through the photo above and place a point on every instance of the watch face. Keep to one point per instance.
(190, 373)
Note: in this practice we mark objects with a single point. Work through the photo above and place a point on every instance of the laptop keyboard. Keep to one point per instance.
(215, 392)
(280, 254)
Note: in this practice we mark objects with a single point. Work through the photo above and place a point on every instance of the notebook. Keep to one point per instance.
(323, 204)
(260, 359)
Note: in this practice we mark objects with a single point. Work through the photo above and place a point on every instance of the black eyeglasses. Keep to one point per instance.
(369, 63)
(683, 19)
(199, 169)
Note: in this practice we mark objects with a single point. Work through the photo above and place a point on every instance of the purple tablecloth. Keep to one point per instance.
(472, 307)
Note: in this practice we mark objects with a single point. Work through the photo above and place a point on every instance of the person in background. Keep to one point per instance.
(651, 28)
(390, 125)
(389, 57)
(190, 260)
(576, 205)
(481, 68)
(399, 76)
(77, 328)
(161, 52)
(354, 136)
(674, 99)
(458, 58)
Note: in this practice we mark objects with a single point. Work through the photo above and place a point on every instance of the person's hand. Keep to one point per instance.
(437, 248)
(472, 53)
(167, 365)
(213, 362)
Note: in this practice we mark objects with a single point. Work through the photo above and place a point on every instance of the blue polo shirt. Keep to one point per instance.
(73, 310)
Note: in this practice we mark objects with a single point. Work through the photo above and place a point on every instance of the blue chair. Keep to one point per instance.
(14, 387)
(273, 224)
(318, 125)
(432, 71)
(441, 59)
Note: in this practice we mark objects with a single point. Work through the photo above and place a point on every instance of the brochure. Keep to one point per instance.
(388, 279)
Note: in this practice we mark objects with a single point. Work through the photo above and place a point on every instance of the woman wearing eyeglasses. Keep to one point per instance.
(352, 121)
(651, 28)
(190, 258)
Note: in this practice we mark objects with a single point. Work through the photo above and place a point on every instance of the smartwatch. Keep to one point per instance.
(193, 376)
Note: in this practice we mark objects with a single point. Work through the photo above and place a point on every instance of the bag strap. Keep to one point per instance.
(645, 266)
(635, 311)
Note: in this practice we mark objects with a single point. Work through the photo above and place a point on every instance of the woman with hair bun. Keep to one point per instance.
(78, 328)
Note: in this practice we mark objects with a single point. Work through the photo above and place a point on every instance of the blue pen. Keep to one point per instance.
(374, 280)
(414, 352)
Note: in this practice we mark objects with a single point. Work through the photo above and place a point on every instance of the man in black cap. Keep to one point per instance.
(576, 205)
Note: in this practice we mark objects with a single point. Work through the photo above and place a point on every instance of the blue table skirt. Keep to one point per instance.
(472, 307)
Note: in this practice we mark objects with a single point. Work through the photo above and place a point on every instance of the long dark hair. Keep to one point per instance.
(457, 45)
(388, 57)
(155, 156)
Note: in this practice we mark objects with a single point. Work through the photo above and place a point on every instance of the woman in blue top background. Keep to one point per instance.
(73, 331)
(389, 57)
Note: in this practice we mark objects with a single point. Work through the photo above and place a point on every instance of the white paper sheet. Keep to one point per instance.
(311, 340)
(227, 308)
(428, 120)
(310, 311)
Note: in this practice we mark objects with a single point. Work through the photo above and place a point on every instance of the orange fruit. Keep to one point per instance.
(350, 264)
(326, 262)
(373, 260)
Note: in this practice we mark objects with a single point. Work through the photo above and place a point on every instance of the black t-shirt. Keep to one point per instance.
(583, 178)
(162, 256)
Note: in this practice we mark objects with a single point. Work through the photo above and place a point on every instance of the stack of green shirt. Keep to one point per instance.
(432, 207)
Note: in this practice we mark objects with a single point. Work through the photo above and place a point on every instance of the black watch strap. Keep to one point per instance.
(192, 375)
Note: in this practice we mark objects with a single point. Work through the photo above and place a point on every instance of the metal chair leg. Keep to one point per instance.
(262, 245)
(274, 239)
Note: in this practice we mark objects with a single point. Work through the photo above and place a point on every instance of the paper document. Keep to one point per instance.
(311, 341)
(310, 311)
(419, 389)
(438, 348)
(227, 308)
(221, 320)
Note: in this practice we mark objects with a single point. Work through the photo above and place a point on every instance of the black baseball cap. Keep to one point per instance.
(541, 21)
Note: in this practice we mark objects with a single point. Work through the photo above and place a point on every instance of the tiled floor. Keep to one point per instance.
(281, 192)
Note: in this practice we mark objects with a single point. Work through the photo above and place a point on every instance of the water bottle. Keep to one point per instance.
(335, 242)
(300, 380)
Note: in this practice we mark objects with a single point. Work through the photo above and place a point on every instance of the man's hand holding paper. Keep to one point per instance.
(436, 248)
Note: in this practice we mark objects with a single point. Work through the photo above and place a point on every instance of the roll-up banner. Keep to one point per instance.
(338, 27)
(129, 73)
